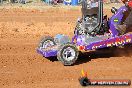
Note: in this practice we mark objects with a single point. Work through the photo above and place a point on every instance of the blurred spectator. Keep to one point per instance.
(130, 4)
(55, 2)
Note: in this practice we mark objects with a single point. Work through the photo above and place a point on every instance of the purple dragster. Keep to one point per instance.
(93, 31)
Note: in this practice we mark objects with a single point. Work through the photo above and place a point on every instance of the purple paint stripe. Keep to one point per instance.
(116, 41)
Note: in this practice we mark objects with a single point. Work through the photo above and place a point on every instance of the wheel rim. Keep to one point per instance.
(47, 43)
(68, 54)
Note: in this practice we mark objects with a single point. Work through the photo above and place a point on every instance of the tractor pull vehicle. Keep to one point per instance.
(93, 31)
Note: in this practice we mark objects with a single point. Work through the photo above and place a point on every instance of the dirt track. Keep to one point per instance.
(22, 67)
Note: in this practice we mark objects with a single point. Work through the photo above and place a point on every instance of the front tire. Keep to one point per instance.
(46, 42)
(67, 54)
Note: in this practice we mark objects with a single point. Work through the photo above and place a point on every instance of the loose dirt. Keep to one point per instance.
(22, 67)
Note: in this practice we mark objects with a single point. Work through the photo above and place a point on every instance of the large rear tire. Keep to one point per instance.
(128, 20)
(67, 54)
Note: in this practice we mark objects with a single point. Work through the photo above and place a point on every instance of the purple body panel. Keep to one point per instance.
(48, 53)
(115, 41)
(118, 18)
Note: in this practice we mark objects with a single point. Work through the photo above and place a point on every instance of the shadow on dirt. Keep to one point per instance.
(105, 53)
(53, 58)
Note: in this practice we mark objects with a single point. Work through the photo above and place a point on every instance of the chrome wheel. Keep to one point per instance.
(68, 54)
(47, 43)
